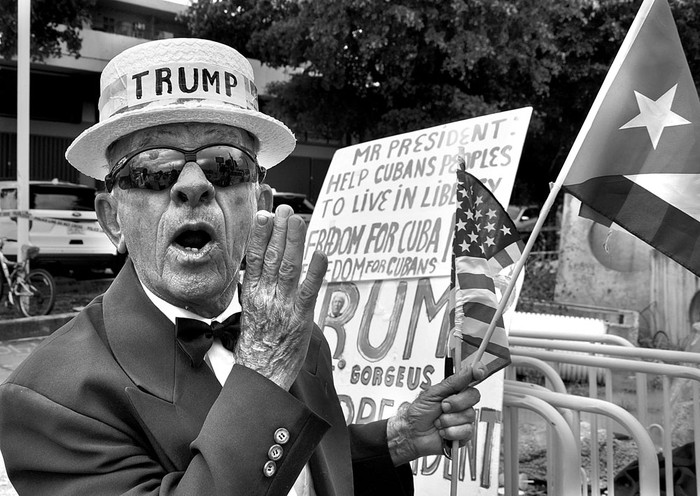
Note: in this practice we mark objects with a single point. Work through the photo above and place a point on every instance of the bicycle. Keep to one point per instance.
(31, 292)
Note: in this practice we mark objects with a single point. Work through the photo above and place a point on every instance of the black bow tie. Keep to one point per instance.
(195, 337)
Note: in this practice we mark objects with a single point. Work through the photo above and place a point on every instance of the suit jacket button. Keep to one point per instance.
(281, 436)
(275, 452)
(269, 468)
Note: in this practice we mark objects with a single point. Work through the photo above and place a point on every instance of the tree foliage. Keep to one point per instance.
(53, 23)
(373, 68)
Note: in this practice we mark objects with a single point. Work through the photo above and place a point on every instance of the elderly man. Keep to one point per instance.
(161, 386)
(337, 305)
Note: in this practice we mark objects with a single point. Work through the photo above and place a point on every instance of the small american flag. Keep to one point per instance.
(485, 243)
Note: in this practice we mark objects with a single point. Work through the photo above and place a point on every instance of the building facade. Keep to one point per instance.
(64, 93)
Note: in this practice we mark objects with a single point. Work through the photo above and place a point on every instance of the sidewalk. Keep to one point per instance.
(12, 353)
(18, 338)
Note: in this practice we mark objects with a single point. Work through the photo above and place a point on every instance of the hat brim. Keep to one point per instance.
(88, 152)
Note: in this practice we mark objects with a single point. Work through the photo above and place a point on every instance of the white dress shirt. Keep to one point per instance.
(221, 362)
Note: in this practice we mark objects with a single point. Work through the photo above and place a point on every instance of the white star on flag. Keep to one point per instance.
(656, 115)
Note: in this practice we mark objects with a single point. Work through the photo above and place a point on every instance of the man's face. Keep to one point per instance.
(337, 305)
(187, 241)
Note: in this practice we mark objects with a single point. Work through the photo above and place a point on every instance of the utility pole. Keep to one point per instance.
(24, 14)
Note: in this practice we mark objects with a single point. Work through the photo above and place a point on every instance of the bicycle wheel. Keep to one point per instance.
(38, 295)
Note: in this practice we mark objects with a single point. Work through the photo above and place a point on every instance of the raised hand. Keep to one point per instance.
(277, 316)
(444, 411)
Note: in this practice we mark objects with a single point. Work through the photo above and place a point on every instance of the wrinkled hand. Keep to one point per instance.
(445, 411)
(277, 315)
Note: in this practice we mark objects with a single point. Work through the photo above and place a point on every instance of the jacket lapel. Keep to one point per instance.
(171, 398)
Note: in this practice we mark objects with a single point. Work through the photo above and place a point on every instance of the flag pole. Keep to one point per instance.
(454, 478)
(557, 185)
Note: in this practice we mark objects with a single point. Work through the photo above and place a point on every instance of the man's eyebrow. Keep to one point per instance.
(241, 135)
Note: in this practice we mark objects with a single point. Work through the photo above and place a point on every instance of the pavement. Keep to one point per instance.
(18, 337)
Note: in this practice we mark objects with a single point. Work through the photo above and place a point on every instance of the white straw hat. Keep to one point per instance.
(177, 80)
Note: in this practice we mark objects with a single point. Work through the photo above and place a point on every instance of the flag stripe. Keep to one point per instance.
(504, 258)
(469, 281)
(499, 357)
(668, 229)
(483, 296)
(479, 311)
(472, 264)
(478, 329)
(493, 348)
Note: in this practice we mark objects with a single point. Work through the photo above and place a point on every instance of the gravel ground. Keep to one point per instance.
(533, 456)
(6, 488)
(533, 436)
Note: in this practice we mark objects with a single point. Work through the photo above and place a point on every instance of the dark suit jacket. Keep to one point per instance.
(109, 404)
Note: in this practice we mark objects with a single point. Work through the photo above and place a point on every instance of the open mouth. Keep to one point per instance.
(193, 239)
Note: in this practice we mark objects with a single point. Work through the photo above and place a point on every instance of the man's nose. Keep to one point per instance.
(192, 186)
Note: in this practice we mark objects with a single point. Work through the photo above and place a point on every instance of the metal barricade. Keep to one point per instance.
(649, 475)
(665, 370)
(565, 453)
(571, 336)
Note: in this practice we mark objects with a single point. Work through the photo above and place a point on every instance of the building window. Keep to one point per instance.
(108, 24)
(139, 30)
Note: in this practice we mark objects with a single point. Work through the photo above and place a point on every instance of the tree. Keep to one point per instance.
(53, 23)
(372, 68)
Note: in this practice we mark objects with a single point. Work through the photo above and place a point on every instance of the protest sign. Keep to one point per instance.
(386, 207)
(385, 219)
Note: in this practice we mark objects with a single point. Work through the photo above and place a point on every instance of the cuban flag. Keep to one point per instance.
(636, 160)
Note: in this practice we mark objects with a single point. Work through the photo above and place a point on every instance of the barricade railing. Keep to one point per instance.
(668, 356)
(665, 370)
(571, 336)
(549, 373)
(554, 382)
(552, 379)
(563, 453)
(624, 351)
(648, 463)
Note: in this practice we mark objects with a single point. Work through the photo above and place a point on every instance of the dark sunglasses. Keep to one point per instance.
(157, 168)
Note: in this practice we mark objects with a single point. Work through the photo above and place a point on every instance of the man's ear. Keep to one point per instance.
(106, 210)
(265, 198)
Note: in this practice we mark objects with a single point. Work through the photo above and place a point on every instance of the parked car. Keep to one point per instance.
(64, 226)
(524, 217)
(298, 201)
